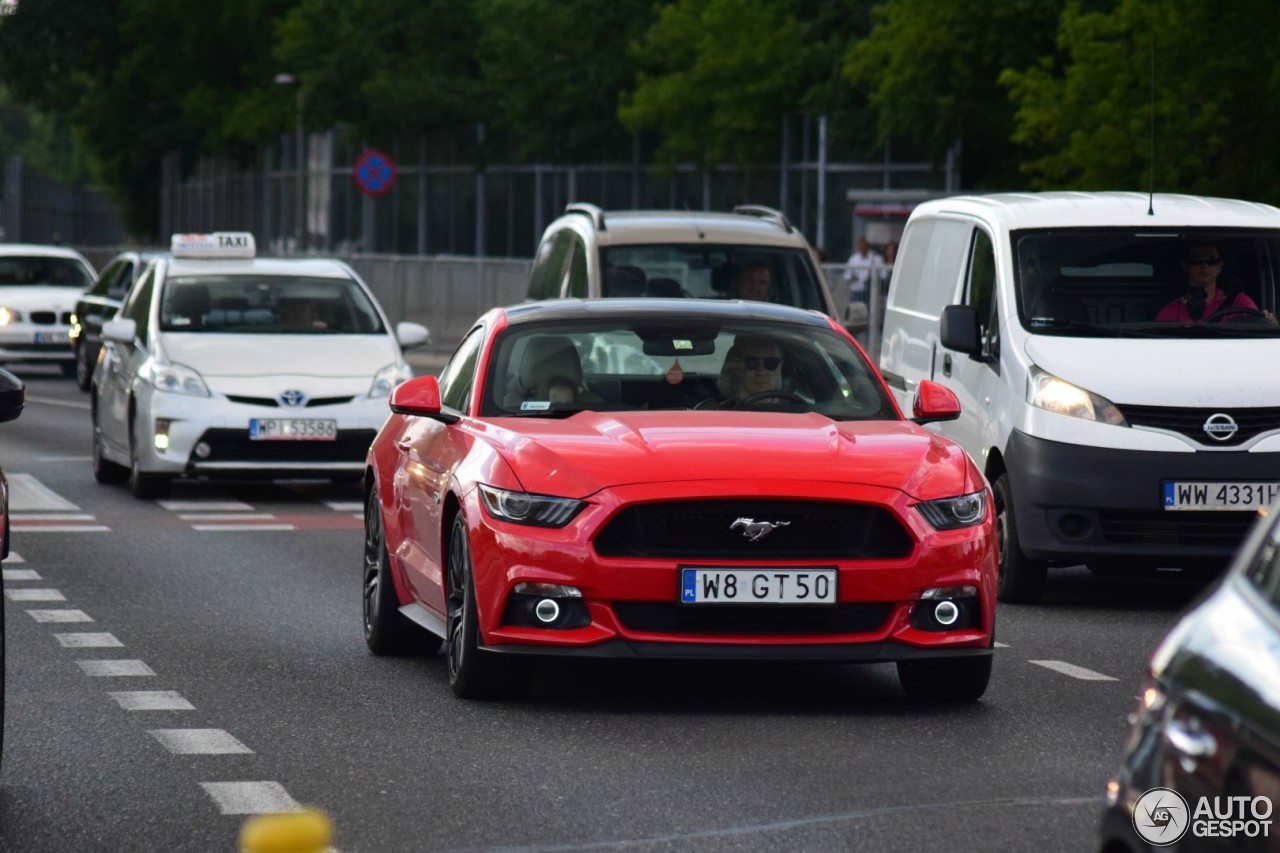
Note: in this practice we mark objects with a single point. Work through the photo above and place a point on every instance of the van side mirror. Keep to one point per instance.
(959, 329)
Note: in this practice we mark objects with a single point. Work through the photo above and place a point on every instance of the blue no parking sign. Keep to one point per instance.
(374, 172)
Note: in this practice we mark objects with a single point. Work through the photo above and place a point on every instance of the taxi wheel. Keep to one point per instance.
(950, 680)
(473, 672)
(104, 470)
(146, 486)
(386, 630)
(1021, 580)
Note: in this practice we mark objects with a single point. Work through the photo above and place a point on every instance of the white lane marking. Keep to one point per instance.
(1073, 670)
(345, 506)
(1002, 645)
(34, 595)
(64, 458)
(152, 700)
(28, 493)
(104, 668)
(251, 797)
(53, 401)
(205, 506)
(208, 527)
(226, 516)
(20, 574)
(88, 641)
(199, 742)
(60, 528)
(50, 516)
(15, 557)
(60, 616)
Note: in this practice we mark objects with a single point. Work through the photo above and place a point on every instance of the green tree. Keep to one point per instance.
(932, 70)
(1208, 124)
(553, 70)
(716, 76)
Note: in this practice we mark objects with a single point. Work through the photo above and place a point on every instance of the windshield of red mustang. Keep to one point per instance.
(555, 370)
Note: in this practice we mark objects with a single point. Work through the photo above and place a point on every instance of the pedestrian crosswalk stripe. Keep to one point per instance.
(1073, 670)
(27, 494)
(250, 797)
(199, 742)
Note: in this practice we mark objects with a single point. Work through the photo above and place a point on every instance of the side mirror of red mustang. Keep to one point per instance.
(419, 396)
(933, 402)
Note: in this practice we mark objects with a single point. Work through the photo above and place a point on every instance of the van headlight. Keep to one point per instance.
(954, 513)
(387, 379)
(1048, 392)
(526, 508)
(177, 379)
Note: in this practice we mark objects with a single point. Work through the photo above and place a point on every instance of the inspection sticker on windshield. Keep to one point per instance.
(293, 429)
(1221, 496)
(757, 586)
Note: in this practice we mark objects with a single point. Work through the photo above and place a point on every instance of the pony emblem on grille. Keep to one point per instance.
(756, 530)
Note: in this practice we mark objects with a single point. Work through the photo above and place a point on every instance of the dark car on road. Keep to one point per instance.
(1201, 767)
(99, 304)
(12, 398)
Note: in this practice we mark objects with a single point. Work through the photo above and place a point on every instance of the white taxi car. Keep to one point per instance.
(39, 286)
(223, 364)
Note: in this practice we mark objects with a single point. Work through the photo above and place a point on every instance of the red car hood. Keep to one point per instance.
(580, 455)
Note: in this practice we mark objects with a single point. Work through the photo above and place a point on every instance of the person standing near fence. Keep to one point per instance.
(858, 271)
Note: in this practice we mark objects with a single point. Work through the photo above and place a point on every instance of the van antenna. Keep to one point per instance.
(1151, 164)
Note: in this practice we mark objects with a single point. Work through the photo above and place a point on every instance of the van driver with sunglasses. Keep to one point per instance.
(1202, 264)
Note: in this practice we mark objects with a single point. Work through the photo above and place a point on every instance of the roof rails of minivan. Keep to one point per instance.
(768, 213)
(590, 210)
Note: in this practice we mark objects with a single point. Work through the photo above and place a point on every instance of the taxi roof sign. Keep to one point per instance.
(219, 244)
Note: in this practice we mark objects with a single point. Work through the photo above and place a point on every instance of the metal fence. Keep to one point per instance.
(37, 209)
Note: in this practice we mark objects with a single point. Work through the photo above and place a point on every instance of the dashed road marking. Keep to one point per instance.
(27, 494)
(112, 668)
(88, 641)
(251, 797)
(226, 516)
(20, 575)
(199, 742)
(151, 700)
(34, 595)
(1073, 670)
(205, 506)
(345, 506)
(238, 527)
(14, 557)
(60, 616)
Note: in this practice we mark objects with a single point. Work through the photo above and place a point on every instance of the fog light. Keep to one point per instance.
(547, 610)
(946, 612)
(203, 450)
(161, 436)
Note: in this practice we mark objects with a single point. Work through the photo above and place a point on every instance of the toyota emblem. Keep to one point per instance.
(293, 398)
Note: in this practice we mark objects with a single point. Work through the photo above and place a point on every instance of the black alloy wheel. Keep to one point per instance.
(386, 630)
(473, 672)
(84, 369)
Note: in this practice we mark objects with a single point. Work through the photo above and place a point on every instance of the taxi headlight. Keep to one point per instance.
(1048, 392)
(387, 379)
(526, 508)
(177, 379)
(9, 315)
(953, 513)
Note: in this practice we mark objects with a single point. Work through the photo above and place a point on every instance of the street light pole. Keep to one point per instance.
(300, 156)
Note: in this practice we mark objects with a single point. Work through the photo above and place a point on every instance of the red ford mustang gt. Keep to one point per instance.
(674, 479)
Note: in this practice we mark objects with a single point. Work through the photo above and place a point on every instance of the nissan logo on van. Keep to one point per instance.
(1220, 426)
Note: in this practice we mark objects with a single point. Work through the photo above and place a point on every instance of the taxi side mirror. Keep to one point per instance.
(120, 331)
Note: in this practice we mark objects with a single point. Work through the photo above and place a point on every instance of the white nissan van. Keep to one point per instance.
(1118, 367)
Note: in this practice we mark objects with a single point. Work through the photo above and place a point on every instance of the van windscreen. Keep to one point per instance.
(1165, 283)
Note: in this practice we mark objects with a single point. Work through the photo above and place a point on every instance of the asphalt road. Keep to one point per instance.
(175, 666)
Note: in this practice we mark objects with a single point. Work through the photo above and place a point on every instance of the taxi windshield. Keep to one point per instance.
(267, 305)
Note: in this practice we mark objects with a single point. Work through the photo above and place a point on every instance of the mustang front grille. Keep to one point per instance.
(735, 530)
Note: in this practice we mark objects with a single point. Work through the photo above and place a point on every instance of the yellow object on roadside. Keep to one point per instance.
(307, 831)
